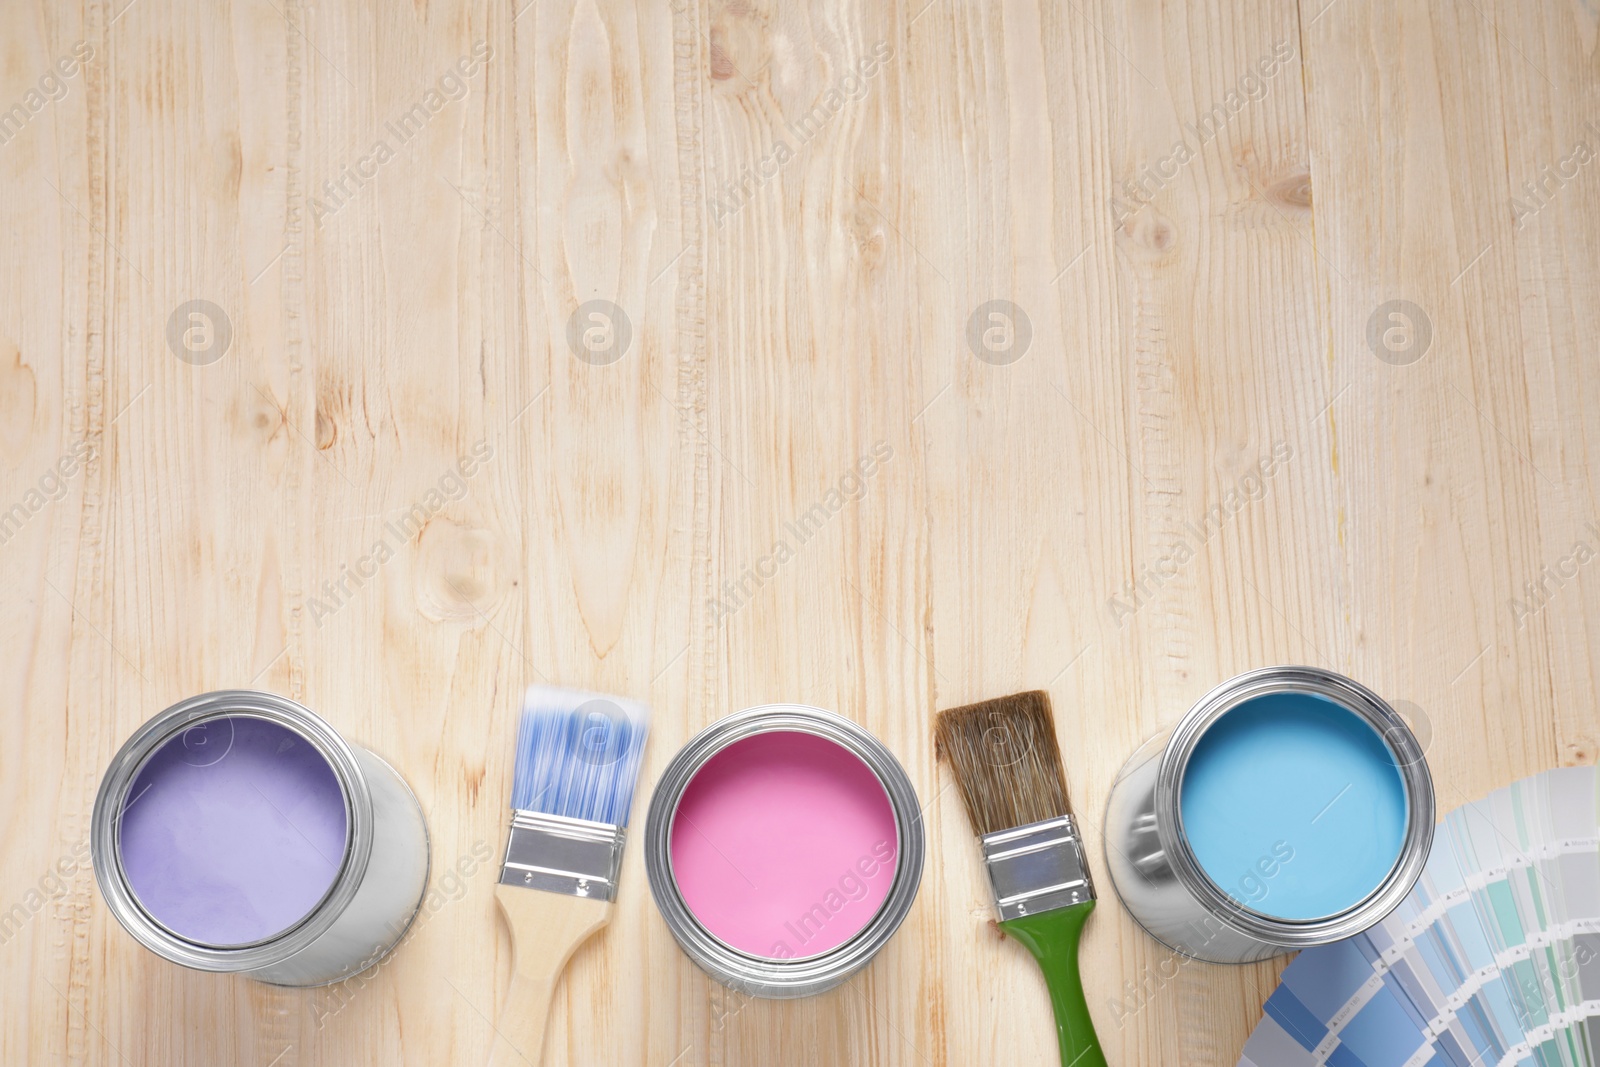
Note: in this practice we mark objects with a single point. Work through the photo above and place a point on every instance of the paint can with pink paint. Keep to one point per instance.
(237, 832)
(784, 848)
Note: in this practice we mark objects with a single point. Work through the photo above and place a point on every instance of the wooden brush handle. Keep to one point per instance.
(546, 928)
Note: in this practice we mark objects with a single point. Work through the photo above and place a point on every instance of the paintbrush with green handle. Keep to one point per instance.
(1007, 766)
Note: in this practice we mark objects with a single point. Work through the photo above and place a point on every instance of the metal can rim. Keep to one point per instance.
(105, 829)
(761, 976)
(1409, 761)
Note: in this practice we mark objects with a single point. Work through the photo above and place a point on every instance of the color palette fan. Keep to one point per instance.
(1492, 961)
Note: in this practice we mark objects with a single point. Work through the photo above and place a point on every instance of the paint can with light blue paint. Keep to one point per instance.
(1290, 807)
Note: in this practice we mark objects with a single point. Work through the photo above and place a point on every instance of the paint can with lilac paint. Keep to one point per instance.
(784, 848)
(238, 832)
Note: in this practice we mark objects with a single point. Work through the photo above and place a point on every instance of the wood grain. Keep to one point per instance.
(799, 216)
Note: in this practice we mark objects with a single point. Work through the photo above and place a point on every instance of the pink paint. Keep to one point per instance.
(233, 831)
(784, 845)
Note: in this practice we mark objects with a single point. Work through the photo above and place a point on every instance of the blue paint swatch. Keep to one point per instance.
(1492, 959)
(1293, 806)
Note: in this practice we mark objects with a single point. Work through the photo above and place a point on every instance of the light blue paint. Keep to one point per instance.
(1293, 806)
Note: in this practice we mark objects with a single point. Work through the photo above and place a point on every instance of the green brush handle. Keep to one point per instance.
(1052, 937)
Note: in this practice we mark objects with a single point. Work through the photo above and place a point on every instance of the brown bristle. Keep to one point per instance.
(1007, 763)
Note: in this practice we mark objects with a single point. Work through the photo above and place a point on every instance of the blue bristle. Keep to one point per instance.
(578, 754)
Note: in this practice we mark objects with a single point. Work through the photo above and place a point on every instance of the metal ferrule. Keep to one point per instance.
(560, 854)
(1038, 867)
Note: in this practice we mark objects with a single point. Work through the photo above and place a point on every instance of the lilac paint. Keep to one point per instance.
(234, 830)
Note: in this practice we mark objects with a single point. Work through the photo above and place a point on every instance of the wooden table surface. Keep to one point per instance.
(1179, 339)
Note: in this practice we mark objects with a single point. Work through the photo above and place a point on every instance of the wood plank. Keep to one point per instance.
(799, 217)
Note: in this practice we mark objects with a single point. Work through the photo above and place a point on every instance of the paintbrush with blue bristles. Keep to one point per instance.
(578, 757)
